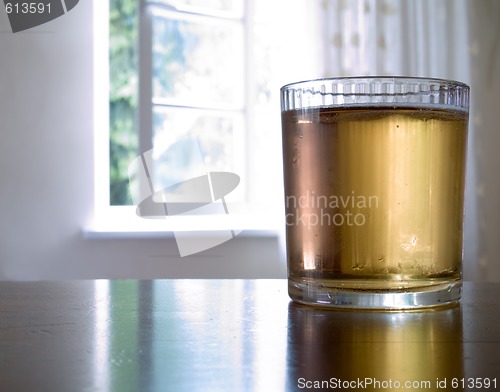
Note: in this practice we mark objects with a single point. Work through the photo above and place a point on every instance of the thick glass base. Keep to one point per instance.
(336, 294)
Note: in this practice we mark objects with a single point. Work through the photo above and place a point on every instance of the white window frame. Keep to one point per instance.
(118, 221)
(122, 221)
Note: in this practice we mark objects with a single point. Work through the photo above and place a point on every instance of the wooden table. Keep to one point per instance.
(234, 335)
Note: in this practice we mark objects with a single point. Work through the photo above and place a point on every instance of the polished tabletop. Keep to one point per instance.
(235, 335)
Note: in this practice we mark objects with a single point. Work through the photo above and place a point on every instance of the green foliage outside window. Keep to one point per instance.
(172, 42)
(123, 96)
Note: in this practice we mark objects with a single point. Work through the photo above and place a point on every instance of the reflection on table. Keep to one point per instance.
(377, 350)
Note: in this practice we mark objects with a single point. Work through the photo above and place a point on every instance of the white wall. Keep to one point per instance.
(46, 167)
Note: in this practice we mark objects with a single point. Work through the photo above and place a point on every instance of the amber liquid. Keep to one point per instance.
(374, 196)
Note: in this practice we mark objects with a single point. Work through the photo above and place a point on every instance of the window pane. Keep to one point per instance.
(218, 136)
(197, 61)
(234, 7)
(265, 11)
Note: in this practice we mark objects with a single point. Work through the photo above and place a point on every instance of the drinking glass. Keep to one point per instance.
(374, 175)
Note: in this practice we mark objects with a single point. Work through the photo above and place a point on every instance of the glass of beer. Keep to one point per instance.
(374, 175)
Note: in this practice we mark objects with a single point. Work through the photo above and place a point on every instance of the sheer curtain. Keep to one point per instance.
(394, 37)
(420, 38)
(484, 38)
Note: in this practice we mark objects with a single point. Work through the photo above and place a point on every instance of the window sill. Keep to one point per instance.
(123, 223)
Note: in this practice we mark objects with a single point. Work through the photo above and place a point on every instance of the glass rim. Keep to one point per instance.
(376, 91)
(375, 79)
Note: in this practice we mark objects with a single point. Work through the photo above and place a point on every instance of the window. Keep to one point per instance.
(208, 69)
(192, 89)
